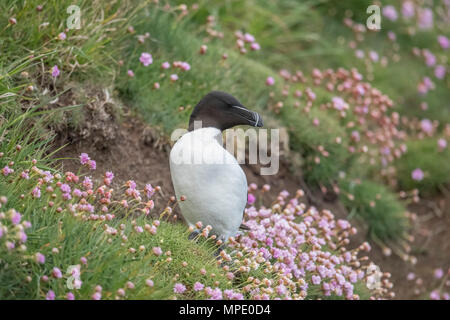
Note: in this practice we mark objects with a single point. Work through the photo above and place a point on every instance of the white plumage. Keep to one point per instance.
(210, 177)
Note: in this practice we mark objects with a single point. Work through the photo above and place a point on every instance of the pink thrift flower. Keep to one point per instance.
(422, 88)
(146, 59)
(430, 58)
(179, 288)
(438, 273)
(92, 164)
(434, 295)
(411, 276)
(443, 42)
(359, 54)
(7, 171)
(426, 126)
(149, 283)
(216, 294)
(270, 81)
(249, 38)
(16, 217)
(185, 66)
(157, 251)
(87, 183)
(425, 18)
(36, 192)
(250, 199)
(315, 280)
(10, 245)
(70, 296)
(316, 122)
(198, 286)
(238, 296)
(417, 174)
(149, 190)
(50, 295)
(391, 36)
(390, 13)
(24, 175)
(55, 71)
(439, 72)
(77, 192)
(22, 237)
(442, 144)
(65, 188)
(83, 260)
(255, 46)
(56, 273)
(84, 158)
(96, 296)
(408, 10)
(173, 77)
(76, 272)
(130, 73)
(40, 258)
(62, 36)
(228, 294)
(109, 175)
(165, 65)
(281, 290)
(373, 55)
(339, 103)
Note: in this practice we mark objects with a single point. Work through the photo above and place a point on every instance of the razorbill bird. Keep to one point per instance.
(210, 177)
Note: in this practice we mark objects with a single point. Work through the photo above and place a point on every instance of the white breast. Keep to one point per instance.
(211, 179)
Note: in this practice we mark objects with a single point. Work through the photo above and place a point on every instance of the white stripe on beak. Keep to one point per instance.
(257, 119)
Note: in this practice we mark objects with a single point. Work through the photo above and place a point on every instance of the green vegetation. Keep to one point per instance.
(365, 145)
(435, 164)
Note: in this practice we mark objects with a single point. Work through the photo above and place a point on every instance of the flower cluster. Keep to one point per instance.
(302, 254)
(243, 39)
(12, 229)
(373, 130)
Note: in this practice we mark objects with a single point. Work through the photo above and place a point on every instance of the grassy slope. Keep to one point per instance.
(97, 49)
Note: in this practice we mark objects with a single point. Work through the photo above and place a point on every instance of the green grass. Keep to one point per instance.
(239, 76)
(425, 155)
(378, 207)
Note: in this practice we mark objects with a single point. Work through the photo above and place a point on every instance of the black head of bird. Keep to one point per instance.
(223, 111)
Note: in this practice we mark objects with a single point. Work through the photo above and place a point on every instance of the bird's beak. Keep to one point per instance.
(252, 118)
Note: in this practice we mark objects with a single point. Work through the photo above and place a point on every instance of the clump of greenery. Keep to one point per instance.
(378, 207)
(426, 156)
